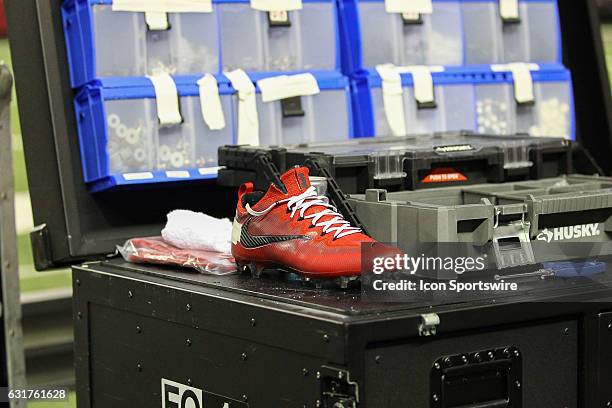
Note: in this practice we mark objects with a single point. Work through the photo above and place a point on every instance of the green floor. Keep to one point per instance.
(32, 281)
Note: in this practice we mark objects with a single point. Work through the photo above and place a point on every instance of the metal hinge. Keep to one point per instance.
(429, 324)
(337, 389)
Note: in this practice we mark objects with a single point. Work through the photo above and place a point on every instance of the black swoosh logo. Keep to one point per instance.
(255, 241)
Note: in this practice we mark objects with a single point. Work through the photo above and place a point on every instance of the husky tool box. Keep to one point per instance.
(237, 341)
(406, 163)
(194, 37)
(486, 99)
(565, 209)
(450, 32)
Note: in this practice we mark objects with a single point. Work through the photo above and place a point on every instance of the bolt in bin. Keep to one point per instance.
(452, 33)
(323, 113)
(230, 34)
(298, 40)
(534, 35)
(123, 142)
(483, 99)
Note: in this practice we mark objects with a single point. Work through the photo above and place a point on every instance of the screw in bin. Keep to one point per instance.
(130, 294)
(326, 338)
(138, 329)
(253, 322)
(435, 398)
(305, 372)
(188, 307)
(610, 326)
(245, 398)
(188, 342)
(244, 356)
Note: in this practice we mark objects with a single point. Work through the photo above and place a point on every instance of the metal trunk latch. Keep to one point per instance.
(337, 390)
(429, 324)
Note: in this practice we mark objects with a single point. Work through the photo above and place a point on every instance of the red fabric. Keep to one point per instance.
(317, 255)
(3, 29)
(155, 251)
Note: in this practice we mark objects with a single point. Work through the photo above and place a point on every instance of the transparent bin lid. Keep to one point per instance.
(388, 154)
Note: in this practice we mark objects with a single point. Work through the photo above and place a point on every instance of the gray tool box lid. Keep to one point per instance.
(75, 225)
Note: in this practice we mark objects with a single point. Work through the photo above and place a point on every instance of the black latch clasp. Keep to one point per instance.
(292, 107)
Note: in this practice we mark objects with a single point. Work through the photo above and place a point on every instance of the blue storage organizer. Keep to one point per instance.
(476, 99)
(104, 43)
(458, 32)
(122, 143)
(328, 116)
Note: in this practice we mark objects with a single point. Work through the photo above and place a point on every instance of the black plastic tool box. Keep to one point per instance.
(407, 163)
(269, 343)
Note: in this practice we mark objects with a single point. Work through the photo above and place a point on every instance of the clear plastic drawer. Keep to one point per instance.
(535, 37)
(122, 141)
(306, 42)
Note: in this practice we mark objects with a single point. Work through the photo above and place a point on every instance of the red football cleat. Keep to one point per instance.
(297, 232)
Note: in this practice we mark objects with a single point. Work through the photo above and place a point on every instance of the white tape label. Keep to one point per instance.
(276, 5)
(137, 176)
(209, 171)
(166, 96)
(509, 9)
(210, 102)
(393, 98)
(164, 6)
(181, 174)
(523, 81)
(288, 86)
(248, 120)
(423, 82)
(409, 6)
(157, 20)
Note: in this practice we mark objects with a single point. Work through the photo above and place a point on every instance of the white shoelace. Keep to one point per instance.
(303, 202)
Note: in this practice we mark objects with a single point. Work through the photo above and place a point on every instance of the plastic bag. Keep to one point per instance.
(154, 250)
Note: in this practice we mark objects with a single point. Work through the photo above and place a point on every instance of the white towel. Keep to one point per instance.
(192, 230)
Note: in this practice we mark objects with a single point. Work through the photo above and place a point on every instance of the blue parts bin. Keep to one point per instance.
(455, 32)
(300, 40)
(103, 43)
(142, 130)
(484, 99)
(126, 140)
